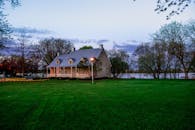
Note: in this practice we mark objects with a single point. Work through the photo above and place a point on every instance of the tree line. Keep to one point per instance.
(34, 58)
(171, 51)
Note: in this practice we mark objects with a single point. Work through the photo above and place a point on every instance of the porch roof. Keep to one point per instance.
(75, 56)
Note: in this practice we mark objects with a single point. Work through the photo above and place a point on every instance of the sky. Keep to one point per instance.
(115, 20)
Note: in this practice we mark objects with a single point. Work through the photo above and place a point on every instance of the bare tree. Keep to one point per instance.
(49, 48)
(22, 40)
(190, 34)
(4, 25)
(169, 61)
(172, 7)
(151, 58)
(33, 59)
(180, 44)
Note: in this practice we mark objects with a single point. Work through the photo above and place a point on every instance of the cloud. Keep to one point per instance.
(102, 41)
(128, 47)
(31, 30)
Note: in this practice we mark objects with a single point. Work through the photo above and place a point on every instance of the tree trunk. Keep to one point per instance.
(170, 74)
(154, 75)
(158, 76)
(175, 73)
(185, 71)
(165, 75)
(186, 74)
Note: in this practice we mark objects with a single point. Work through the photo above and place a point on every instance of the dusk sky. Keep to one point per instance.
(116, 20)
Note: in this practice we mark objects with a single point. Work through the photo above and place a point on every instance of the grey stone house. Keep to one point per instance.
(78, 64)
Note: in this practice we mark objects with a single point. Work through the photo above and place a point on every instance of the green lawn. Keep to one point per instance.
(108, 104)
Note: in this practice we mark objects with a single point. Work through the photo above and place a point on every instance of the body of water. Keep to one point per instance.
(150, 76)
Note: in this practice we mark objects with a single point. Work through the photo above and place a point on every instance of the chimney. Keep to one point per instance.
(101, 46)
(73, 49)
(58, 54)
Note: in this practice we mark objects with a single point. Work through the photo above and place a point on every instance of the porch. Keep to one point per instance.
(68, 72)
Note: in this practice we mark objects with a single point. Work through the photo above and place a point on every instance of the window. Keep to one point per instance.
(70, 61)
(83, 62)
(58, 61)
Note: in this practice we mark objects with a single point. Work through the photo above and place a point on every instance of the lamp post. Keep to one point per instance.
(92, 60)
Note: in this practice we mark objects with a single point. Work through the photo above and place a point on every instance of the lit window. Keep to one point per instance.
(58, 61)
(70, 61)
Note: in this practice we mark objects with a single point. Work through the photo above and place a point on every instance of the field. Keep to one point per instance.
(108, 104)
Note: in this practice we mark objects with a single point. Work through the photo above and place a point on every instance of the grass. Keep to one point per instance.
(108, 104)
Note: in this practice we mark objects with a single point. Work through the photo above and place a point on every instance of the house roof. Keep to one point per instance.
(76, 56)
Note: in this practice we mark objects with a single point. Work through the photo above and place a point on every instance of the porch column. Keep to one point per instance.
(55, 71)
(71, 72)
(47, 72)
(76, 71)
(60, 72)
(64, 71)
(89, 72)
